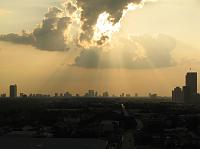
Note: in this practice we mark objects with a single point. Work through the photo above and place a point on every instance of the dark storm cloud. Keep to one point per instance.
(157, 50)
(91, 9)
(48, 36)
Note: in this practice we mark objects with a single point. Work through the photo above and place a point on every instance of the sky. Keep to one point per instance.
(57, 48)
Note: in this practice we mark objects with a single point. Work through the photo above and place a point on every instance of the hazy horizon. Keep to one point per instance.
(74, 45)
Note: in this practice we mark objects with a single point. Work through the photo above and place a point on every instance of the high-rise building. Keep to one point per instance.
(96, 94)
(191, 82)
(186, 94)
(177, 95)
(13, 91)
(91, 93)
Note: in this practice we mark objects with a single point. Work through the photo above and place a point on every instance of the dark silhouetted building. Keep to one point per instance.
(13, 91)
(67, 94)
(128, 95)
(56, 94)
(153, 95)
(91, 93)
(122, 95)
(3, 95)
(105, 94)
(22, 95)
(186, 94)
(96, 94)
(191, 82)
(177, 95)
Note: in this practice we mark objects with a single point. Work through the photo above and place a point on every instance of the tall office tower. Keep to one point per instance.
(186, 94)
(191, 81)
(177, 95)
(13, 91)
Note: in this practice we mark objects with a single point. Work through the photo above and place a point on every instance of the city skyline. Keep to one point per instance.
(14, 93)
(134, 47)
(189, 91)
(179, 94)
(101, 91)
(99, 74)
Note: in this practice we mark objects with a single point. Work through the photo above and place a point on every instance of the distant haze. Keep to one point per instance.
(50, 46)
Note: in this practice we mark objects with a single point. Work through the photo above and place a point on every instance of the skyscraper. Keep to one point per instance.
(186, 94)
(177, 95)
(191, 82)
(13, 91)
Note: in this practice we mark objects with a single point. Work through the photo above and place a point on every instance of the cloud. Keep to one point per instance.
(76, 22)
(91, 58)
(157, 49)
(91, 9)
(156, 53)
(49, 35)
(15, 38)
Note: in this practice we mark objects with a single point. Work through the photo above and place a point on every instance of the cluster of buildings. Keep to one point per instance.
(93, 93)
(188, 93)
(90, 93)
(13, 91)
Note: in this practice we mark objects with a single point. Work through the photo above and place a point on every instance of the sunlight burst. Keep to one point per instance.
(105, 27)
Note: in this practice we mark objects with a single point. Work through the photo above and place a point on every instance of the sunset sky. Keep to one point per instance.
(129, 46)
